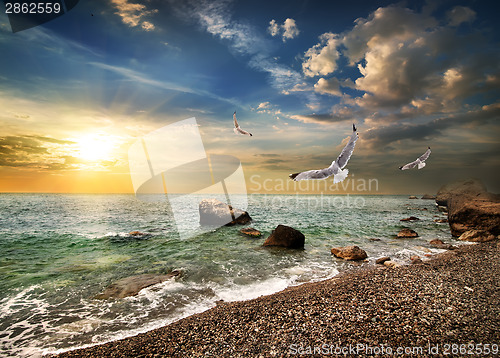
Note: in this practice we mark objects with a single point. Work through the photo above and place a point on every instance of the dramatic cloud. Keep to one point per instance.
(321, 59)
(409, 63)
(287, 31)
(29, 151)
(133, 14)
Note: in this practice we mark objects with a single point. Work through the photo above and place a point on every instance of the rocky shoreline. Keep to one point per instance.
(432, 308)
(453, 298)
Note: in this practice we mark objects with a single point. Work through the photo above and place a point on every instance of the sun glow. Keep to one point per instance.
(95, 147)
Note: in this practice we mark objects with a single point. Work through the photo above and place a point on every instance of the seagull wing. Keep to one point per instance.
(235, 121)
(410, 165)
(346, 153)
(237, 128)
(313, 174)
(241, 131)
(424, 156)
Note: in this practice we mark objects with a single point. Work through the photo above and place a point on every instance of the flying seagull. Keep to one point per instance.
(237, 129)
(419, 163)
(336, 167)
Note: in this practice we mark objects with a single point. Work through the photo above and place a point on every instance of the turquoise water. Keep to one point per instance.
(57, 252)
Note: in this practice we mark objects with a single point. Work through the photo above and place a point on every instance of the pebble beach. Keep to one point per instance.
(448, 305)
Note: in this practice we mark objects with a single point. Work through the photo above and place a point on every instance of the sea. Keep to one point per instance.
(58, 251)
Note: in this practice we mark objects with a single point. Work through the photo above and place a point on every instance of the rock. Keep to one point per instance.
(411, 218)
(428, 197)
(285, 236)
(440, 220)
(130, 286)
(407, 233)
(415, 259)
(250, 231)
(392, 264)
(477, 236)
(216, 213)
(474, 213)
(471, 187)
(442, 209)
(138, 235)
(381, 260)
(351, 253)
(412, 197)
(438, 244)
(374, 239)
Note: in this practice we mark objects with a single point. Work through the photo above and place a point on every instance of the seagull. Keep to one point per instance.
(237, 128)
(419, 163)
(335, 168)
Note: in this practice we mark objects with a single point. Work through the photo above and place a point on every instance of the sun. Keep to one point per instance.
(95, 147)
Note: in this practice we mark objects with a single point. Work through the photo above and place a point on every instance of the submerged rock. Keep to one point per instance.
(250, 231)
(438, 244)
(130, 286)
(477, 236)
(216, 213)
(351, 253)
(407, 233)
(440, 220)
(286, 236)
(411, 218)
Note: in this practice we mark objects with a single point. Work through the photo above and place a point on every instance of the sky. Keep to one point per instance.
(77, 92)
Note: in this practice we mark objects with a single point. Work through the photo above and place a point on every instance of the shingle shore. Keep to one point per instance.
(440, 306)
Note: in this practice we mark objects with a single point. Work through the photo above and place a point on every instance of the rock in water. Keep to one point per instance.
(130, 286)
(216, 213)
(477, 236)
(412, 197)
(428, 197)
(381, 260)
(411, 218)
(351, 253)
(407, 233)
(250, 231)
(286, 236)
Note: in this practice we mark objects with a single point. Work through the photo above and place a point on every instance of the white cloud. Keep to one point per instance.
(273, 28)
(321, 59)
(133, 14)
(287, 31)
(331, 86)
(409, 64)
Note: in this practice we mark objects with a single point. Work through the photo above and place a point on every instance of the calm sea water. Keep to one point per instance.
(57, 252)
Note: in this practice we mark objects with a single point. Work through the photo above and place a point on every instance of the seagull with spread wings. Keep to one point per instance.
(337, 167)
(237, 129)
(419, 163)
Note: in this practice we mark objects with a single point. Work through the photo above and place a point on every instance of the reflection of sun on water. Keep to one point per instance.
(95, 147)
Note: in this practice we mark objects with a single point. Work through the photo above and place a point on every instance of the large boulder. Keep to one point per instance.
(471, 187)
(130, 286)
(216, 213)
(479, 213)
(286, 236)
(477, 236)
(352, 253)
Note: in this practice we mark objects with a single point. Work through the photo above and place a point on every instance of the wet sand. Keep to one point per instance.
(434, 308)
